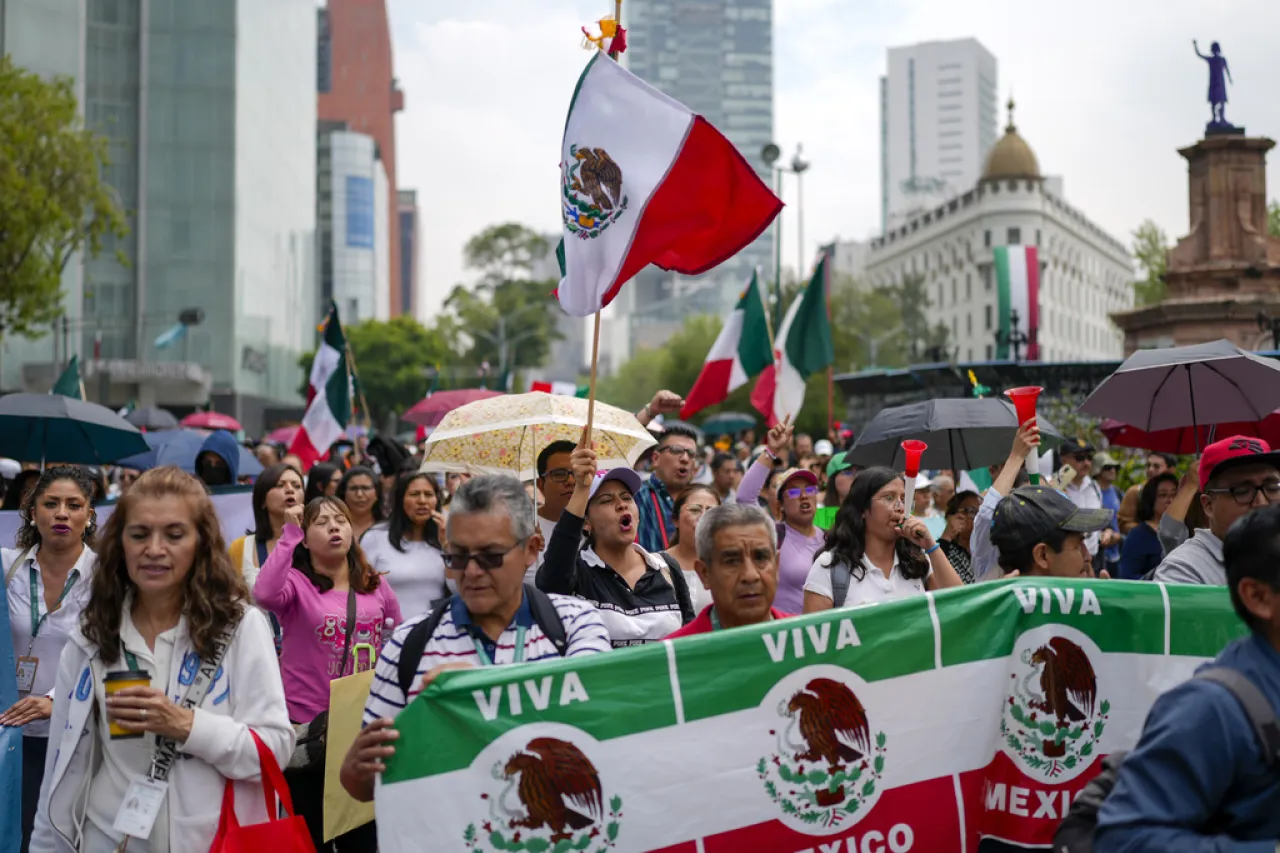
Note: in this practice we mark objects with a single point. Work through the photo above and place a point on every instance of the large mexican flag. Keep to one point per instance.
(328, 394)
(645, 180)
(921, 724)
(1018, 285)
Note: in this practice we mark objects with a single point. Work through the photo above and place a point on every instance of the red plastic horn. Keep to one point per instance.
(914, 449)
(1024, 401)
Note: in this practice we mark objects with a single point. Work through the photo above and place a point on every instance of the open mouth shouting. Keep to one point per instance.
(335, 541)
(626, 523)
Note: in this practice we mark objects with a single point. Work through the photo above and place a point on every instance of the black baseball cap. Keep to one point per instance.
(1030, 513)
(1074, 446)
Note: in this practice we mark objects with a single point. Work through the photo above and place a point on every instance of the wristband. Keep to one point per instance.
(771, 454)
(936, 546)
(645, 411)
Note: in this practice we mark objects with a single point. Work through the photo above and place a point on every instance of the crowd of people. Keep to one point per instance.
(365, 561)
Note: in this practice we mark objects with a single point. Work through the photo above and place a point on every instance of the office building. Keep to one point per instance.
(407, 213)
(715, 57)
(209, 113)
(356, 85)
(351, 224)
(1085, 274)
(938, 120)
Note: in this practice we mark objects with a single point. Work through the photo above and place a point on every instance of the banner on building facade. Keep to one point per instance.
(924, 724)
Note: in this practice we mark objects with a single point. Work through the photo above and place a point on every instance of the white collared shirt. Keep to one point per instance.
(47, 646)
(1085, 494)
(873, 587)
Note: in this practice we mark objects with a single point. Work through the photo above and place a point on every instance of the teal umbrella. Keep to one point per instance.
(728, 423)
(40, 427)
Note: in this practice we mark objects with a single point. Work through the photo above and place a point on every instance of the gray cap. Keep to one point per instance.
(1030, 513)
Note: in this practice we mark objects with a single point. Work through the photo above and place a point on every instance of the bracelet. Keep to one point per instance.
(771, 454)
(645, 411)
(936, 546)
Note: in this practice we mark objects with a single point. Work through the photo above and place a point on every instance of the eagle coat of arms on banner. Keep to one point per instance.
(592, 190)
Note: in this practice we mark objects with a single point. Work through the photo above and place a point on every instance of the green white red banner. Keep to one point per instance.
(925, 724)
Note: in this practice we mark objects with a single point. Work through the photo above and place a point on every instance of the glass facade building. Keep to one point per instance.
(351, 186)
(209, 109)
(716, 57)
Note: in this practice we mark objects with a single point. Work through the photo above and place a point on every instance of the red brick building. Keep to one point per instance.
(357, 85)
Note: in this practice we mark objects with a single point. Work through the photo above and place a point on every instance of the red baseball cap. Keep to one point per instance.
(1232, 452)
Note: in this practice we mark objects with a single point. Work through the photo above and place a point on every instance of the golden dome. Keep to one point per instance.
(1011, 156)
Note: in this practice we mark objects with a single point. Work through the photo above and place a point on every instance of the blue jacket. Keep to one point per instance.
(224, 444)
(1199, 759)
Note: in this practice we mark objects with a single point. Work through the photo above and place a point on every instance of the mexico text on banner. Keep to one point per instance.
(924, 724)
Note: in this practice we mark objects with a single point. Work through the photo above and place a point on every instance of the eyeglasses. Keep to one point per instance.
(486, 560)
(968, 510)
(559, 475)
(807, 490)
(686, 452)
(892, 501)
(1245, 493)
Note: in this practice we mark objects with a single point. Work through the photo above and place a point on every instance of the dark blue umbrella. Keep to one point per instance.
(152, 418)
(180, 447)
(40, 427)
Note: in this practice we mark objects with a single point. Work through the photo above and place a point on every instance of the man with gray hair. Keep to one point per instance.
(737, 562)
(493, 620)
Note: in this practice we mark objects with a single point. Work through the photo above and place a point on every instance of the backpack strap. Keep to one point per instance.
(1261, 714)
(415, 643)
(841, 575)
(547, 617)
(782, 533)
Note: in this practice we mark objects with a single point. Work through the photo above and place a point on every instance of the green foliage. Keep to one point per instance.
(1151, 248)
(53, 201)
(1273, 218)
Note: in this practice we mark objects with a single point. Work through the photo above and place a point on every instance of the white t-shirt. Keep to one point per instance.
(547, 527)
(874, 586)
(416, 574)
(56, 627)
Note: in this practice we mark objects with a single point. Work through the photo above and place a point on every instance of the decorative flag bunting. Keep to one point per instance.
(645, 180)
(1018, 278)
(804, 734)
(568, 389)
(804, 347)
(328, 395)
(740, 352)
(70, 384)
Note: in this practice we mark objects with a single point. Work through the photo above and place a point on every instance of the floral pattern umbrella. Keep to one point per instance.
(504, 435)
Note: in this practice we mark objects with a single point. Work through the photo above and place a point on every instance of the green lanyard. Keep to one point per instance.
(132, 661)
(715, 621)
(485, 660)
(37, 621)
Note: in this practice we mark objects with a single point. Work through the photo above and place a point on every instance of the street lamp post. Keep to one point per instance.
(771, 154)
(1016, 339)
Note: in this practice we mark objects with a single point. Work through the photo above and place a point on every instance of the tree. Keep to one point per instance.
(53, 201)
(1151, 248)
(867, 327)
(1273, 219)
(392, 359)
(923, 340)
(509, 318)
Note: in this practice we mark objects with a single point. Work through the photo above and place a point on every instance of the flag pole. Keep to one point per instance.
(831, 368)
(595, 334)
(351, 365)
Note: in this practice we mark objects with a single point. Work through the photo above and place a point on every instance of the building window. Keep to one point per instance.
(968, 355)
(940, 300)
(953, 292)
(1037, 236)
(987, 316)
(986, 278)
(955, 327)
(968, 285)
(324, 52)
(1015, 236)
(988, 352)
(968, 324)
(986, 238)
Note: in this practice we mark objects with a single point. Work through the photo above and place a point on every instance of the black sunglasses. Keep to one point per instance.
(486, 560)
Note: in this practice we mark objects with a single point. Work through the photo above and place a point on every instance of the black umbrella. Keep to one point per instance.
(1211, 383)
(39, 427)
(962, 434)
(152, 418)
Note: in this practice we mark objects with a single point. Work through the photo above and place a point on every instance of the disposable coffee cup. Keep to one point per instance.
(114, 683)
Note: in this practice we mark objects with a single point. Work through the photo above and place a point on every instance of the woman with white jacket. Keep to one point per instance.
(164, 600)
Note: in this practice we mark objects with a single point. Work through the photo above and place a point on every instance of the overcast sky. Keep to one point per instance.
(1107, 90)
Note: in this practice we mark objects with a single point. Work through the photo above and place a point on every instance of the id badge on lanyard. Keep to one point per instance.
(27, 664)
(518, 654)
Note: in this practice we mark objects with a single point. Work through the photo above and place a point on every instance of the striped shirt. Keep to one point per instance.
(452, 643)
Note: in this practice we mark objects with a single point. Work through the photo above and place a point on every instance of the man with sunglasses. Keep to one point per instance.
(675, 460)
(1237, 475)
(493, 620)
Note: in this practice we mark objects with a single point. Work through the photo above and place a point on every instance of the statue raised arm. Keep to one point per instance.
(1219, 76)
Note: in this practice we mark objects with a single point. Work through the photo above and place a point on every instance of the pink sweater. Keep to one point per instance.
(314, 625)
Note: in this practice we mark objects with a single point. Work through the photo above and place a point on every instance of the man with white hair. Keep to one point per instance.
(737, 562)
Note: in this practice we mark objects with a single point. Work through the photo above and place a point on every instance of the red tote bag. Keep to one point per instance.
(279, 834)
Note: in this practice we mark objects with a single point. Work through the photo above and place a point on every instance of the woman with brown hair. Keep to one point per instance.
(689, 506)
(319, 585)
(47, 583)
(168, 610)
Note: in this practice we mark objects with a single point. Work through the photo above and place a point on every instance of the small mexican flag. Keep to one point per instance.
(646, 181)
(740, 352)
(1018, 277)
(804, 348)
(328, 395)
(568, 389)
(70, 384)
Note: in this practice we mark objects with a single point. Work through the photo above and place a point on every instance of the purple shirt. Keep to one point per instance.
(314, 625)
(797, 553)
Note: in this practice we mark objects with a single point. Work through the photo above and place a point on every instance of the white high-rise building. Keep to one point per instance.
(938, 120)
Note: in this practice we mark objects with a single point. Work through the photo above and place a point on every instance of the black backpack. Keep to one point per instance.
(540, 605)
(1075, 834)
